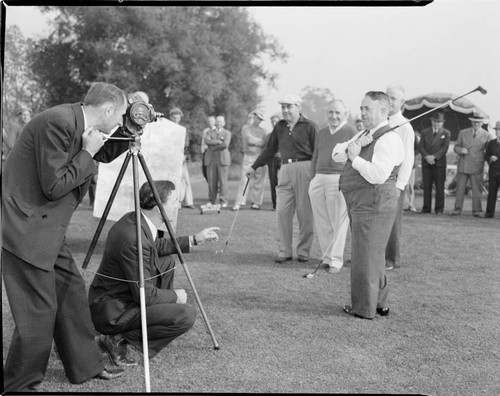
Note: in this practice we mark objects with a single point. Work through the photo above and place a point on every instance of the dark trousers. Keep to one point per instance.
(371, 212)
(493, 184)
(273, 168)
(433, 175)
(165, 322)
(392, 251)
(204, 167)
(46, 306)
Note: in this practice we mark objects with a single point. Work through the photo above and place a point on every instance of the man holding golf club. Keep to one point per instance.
(294, 138)
(368, 182)
(114, 295)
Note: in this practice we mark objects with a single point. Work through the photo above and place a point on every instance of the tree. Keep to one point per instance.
(205, 60)
(314, 103)
(20, 86)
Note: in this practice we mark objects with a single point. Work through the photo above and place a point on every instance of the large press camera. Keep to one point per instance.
(138, 115)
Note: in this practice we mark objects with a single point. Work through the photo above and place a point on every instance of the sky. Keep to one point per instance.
(448, 46)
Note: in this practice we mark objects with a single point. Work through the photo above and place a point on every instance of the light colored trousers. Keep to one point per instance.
(255, 189)
(292, 195)
(330, 217)
(409, 192)
(476, 183)
(185, 191)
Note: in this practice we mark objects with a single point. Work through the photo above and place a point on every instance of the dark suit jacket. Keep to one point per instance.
(218, 149)
(46, 175)
(493, 148)
(434, 145)
(110, 298)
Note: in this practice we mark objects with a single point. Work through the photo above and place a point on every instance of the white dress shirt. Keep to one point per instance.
(387, 153)
(407, 135)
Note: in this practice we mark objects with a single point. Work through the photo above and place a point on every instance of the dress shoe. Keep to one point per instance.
(281, 260)
(109, 374)
(348, 310)
(116, 348)
(333, 270)
(303, 259)
(476, 214)
(236, 208)
(189, 206)
(223, 205)
(383, 311)
(424, 212)
(456, 213)
(487, 216)
(255, 206)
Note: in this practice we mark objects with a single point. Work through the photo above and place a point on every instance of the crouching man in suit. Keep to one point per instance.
(114, 293)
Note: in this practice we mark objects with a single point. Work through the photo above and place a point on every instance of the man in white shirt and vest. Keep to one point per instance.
(368, 183)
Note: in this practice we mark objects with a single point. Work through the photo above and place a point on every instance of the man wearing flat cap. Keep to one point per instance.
(470, 147)
(492, 157)
(433, 146)
(294, 137)
(254, 140)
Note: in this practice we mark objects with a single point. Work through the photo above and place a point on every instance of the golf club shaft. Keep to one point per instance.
(236, 215)
(479, 88)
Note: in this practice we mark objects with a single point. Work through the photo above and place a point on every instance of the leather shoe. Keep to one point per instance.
(456, 213)
(476, 214)
(487, 216)
(281, 260)
(110, 374)
(383, 311)
(116, 350)
(348, 310)
(303, 259)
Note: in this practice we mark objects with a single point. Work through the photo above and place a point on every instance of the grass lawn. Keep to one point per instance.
(281, 332)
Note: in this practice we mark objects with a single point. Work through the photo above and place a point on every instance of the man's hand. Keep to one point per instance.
(493, 158)
(430, 159)
(364, 140)
(92, 140)
(207, 234)
(250, 172)
(353, 150)
(181, 296)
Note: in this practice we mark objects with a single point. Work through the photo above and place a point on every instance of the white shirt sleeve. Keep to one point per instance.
(407, 135)
(387, 153)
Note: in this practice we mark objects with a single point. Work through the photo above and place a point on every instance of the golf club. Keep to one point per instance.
(234, 220)
(311, 275)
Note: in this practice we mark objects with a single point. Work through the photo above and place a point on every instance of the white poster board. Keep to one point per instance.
(162, 146)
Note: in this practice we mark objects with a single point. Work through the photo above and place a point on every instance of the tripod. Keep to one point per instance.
(134, 152)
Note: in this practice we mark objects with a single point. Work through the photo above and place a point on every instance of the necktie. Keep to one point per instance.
(435, 132)
(474, 134)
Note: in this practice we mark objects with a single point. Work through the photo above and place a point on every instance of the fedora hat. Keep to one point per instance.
(438, 117)
(497, 125)
(476, 117)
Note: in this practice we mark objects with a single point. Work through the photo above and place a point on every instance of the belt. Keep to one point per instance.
(290, 160)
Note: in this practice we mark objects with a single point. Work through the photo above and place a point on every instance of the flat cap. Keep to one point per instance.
(290, 99)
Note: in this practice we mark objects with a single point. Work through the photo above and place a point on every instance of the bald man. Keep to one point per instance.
(327, 202)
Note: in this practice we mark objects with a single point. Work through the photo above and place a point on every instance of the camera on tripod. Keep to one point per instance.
(139, 113)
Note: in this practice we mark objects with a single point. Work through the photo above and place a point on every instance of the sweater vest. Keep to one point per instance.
(351, 179)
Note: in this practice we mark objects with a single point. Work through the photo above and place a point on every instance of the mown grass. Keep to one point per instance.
(280, 332)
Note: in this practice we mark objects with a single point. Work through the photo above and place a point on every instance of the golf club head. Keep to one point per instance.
(481, 89)
(308, 276)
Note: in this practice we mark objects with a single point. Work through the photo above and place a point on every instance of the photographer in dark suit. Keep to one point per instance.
(433, 146)
(46, 175)
(114, 297)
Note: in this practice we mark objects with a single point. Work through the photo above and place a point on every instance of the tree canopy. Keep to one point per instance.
(205, 60)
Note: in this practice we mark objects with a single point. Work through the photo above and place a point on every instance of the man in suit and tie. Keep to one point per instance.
(46, 175)
(114, 293)
(470, 147)
(492, 157)
(433, 146)
(368, 182)
(217, 159)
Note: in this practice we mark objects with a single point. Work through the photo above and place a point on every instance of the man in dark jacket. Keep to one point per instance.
(492, 157)
(46, 175)
(433, 146)
(114, 294)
